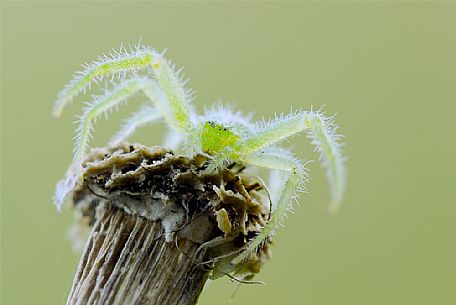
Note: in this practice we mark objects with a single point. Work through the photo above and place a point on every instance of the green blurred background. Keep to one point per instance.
(387, 69)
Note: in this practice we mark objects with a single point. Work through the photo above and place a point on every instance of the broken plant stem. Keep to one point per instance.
(128, 261)
(161, 225)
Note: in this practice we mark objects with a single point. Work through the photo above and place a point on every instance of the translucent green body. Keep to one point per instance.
(215, 138)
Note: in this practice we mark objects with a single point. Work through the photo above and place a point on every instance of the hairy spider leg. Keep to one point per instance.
(322, 132)
(146, 115)
(101, 105)
(95, 71)
(176, 115)
(168, 79)
(174, 90)
(296, 176)
(106, 103)
(323, 136)
(277, 130)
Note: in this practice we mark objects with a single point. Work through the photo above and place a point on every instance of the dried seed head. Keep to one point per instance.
(221, 211)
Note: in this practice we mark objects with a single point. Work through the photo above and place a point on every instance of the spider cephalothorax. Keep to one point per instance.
(215, 137)
(225, 136)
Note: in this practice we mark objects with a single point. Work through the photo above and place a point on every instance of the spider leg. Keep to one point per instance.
(101, 105)
(111, 100)
(322, 132)
(146, 115)
(295, 178)
(120, 63)
(162, 71)
(174, 90)
(278, 130)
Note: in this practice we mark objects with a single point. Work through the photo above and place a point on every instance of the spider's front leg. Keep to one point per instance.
(120, 63)
(171, 86)
(294, 181)
(322, 132)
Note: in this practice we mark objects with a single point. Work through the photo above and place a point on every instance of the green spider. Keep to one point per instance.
(226, 136)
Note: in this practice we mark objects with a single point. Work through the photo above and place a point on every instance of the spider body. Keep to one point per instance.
(226, 136)
(215, 138)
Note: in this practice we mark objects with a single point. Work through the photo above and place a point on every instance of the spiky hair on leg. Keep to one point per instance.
(323, 135)
(225, 115)
(132, 62)
(116, 63)
(101, 105)
(294, 182)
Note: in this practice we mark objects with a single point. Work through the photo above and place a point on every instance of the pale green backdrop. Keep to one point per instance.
(387, 69)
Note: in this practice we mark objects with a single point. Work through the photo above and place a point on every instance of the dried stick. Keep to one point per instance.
(127, 261)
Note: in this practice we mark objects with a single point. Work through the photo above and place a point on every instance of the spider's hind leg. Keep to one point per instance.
(294, 181)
